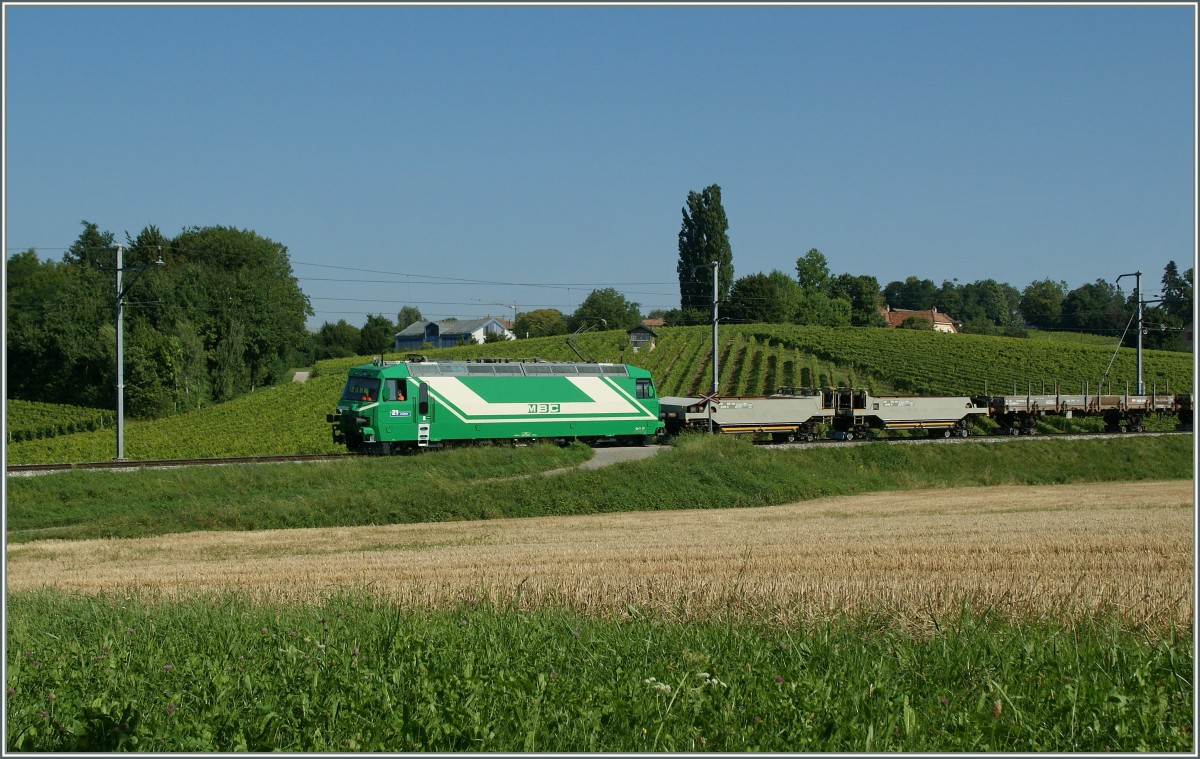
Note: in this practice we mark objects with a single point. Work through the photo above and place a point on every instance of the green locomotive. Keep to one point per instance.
(398, 406)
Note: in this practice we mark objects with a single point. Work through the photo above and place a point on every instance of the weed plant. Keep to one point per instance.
(355, 674)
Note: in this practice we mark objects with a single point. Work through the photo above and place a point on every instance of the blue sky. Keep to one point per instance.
(548, 151)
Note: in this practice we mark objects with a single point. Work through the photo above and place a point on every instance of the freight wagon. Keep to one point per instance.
(1018, 414)
(858, 413)
(397, 406)
(783, 417)
(800, 414)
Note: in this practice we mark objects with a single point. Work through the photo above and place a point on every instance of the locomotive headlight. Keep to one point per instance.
(362, 421)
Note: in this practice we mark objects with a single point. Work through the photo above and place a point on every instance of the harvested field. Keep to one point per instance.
(1059, 552)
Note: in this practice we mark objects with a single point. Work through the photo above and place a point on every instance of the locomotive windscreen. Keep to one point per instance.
(361, 389)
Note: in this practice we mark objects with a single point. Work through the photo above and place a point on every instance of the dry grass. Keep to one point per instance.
(1045, 552)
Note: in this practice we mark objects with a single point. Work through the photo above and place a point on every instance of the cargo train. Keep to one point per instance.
(846, 414)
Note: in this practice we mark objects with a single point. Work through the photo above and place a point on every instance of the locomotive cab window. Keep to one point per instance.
(393, 390)
(645, 389)
(361, 389)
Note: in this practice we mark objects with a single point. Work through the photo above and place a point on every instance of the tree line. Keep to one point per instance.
(815, 296)
(224, 316)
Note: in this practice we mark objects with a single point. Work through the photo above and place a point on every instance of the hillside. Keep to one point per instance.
(754, 360)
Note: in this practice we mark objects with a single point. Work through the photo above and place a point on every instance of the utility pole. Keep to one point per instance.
(1137, 296)
(121, 291)
(716, 265)
(712, 400)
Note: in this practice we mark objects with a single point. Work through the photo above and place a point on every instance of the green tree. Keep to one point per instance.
(812, 271)
(230, 372)
(193, 385)
(916, 322)
(540, 322)
(911, 294)
(864, 296)
(32, 288)
(408, 316)
(246, 279)
(766, 298)
(1042, 301)
(1177, 292)
(1164, 318)
(1096, 308)
(672, 317)
(988, 299)
(58, 351)
(948, 299)
(338, 340)
(703, 240)
(605, 309)
(376, 336)
(224, 316)
(815, 308)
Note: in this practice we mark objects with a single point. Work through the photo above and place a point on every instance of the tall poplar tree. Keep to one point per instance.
(703, 239)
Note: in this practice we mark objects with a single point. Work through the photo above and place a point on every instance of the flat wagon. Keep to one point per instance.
(1018, 414)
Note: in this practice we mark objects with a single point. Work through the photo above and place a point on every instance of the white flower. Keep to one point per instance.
(656, 685)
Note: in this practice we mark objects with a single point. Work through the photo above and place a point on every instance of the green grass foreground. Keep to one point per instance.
(485, 483)
(354, 674)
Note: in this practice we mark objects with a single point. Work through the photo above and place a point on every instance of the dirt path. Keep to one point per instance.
(1052, 550)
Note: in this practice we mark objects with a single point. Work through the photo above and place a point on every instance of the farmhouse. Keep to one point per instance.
(940, 322)
(446, 334)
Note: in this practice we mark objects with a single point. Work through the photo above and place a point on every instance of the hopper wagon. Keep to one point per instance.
(400, 406)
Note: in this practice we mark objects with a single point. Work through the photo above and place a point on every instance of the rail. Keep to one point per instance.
(165, 463)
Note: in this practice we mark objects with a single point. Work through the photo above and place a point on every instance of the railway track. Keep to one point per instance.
(169, 463)
(975, 439)
(129, 465)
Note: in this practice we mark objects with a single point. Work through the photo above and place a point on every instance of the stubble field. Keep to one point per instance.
(1060, 552)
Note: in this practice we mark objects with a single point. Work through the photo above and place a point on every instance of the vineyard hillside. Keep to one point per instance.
(753, 359)
(758, 359)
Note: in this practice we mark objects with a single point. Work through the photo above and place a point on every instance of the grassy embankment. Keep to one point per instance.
(474, 484)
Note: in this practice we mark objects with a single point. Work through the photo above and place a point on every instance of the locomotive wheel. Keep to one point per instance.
(849, 436)
(809, 437)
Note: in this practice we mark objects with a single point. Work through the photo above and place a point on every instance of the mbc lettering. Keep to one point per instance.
(544, 408)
